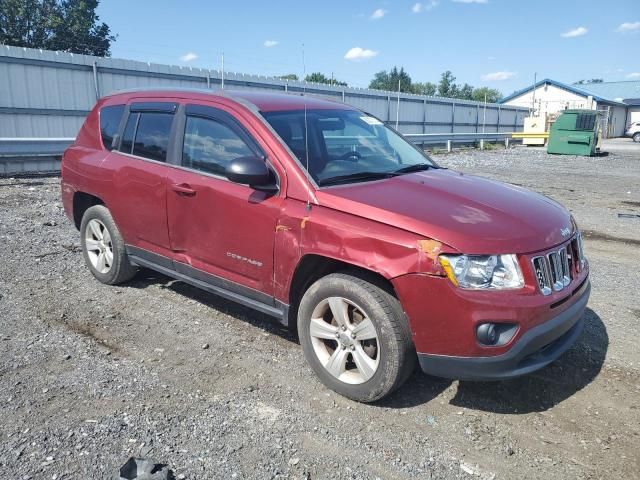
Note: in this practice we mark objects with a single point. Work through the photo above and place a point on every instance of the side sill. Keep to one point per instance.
(165, 266)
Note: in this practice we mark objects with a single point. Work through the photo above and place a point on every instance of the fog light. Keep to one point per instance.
(487, 334)
(495, 334)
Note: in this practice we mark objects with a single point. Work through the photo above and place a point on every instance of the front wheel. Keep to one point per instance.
(355, 336)
(636, 137)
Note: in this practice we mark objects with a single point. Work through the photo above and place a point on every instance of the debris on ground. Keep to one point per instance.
(145, 469)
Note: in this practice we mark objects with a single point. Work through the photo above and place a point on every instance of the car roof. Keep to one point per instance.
(262, 101)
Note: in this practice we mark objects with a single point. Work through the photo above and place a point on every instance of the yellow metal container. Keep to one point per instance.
(534, 125)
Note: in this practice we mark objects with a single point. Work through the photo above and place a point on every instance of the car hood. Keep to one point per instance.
(471, 214)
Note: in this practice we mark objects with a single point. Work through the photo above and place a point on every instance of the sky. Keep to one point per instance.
(496, 43)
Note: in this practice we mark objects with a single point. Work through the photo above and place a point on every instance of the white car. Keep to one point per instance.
(633, 131)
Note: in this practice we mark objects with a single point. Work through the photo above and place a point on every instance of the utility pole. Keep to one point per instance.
(398, 106)
(484, 113)
(222, 78)
(533, 100)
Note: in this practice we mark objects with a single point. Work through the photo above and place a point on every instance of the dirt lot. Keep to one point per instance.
(90, 374)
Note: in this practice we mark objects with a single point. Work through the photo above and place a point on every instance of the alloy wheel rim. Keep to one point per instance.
(97, 240)
(345, 340)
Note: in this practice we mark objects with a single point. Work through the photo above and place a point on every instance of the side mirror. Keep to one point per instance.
(251, 171)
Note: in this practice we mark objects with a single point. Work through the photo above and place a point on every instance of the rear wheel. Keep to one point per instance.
(636, 137)
(103, 247)
(355, 337)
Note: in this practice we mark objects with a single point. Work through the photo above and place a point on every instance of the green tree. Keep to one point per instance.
(447, 86)
(389, 80)
(26, 23)
(465, 92)
(318, 77)
(65, 25)
(492, 94)
(289, 76)
(426, 88)
(585, 82)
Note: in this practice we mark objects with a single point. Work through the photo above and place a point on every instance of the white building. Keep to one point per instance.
(619, 101)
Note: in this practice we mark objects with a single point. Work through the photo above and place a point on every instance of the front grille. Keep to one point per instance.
(542, 274)
(555, 270)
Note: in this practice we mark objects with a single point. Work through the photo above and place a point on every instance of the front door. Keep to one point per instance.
(220, 231)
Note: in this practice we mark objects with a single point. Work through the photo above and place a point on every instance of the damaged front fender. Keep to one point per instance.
(362, 242)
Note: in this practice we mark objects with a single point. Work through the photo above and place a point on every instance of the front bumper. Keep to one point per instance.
(535, 349)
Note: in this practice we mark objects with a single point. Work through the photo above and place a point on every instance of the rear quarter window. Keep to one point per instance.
(109, 122)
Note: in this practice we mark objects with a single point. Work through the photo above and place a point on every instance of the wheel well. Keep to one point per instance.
(313, 267)
(81, 203)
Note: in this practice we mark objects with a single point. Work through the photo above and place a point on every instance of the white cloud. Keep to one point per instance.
(627, 27)
(634, 75)
(576, 32)
(357, 54)
(424, 7)
(470, 1)
(378, 14)
(270, 43)
(188, 57)
(498, 76)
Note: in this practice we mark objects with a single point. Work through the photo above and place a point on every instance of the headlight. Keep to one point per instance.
(490, 272)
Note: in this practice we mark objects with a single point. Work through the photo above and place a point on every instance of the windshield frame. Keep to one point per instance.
(389, 130)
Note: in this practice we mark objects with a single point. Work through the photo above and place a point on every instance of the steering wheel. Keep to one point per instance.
(351, 155)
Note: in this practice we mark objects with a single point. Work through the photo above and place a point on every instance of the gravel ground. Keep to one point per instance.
(91, 375)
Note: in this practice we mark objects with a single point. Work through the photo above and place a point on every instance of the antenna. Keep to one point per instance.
(306, 129)
(304, 73)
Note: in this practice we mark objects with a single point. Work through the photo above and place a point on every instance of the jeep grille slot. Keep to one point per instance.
(542, 274)
(555, 270)
(564, 261)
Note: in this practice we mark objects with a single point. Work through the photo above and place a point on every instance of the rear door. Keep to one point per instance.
(139, 165)
(221, 232)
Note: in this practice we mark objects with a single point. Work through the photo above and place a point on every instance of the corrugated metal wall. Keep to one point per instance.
(47, 94)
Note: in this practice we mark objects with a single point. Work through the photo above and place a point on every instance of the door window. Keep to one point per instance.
(209, 145)
(147, 135)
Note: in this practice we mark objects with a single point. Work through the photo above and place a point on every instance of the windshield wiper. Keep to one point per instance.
(356, 177)
(418, 167)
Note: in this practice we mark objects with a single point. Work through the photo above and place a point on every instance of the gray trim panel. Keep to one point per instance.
(44, 111)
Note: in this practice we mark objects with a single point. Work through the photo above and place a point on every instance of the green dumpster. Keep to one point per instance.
(575, 132)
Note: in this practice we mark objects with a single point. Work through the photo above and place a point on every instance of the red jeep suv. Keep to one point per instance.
(318, 214)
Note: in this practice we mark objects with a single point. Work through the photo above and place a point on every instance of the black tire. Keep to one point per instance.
(397, 357)
(636, 137)
(120, 269)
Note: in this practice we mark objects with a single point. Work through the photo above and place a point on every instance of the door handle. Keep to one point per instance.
(183, 189)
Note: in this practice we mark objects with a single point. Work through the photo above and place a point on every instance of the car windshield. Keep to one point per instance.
(346, 146)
